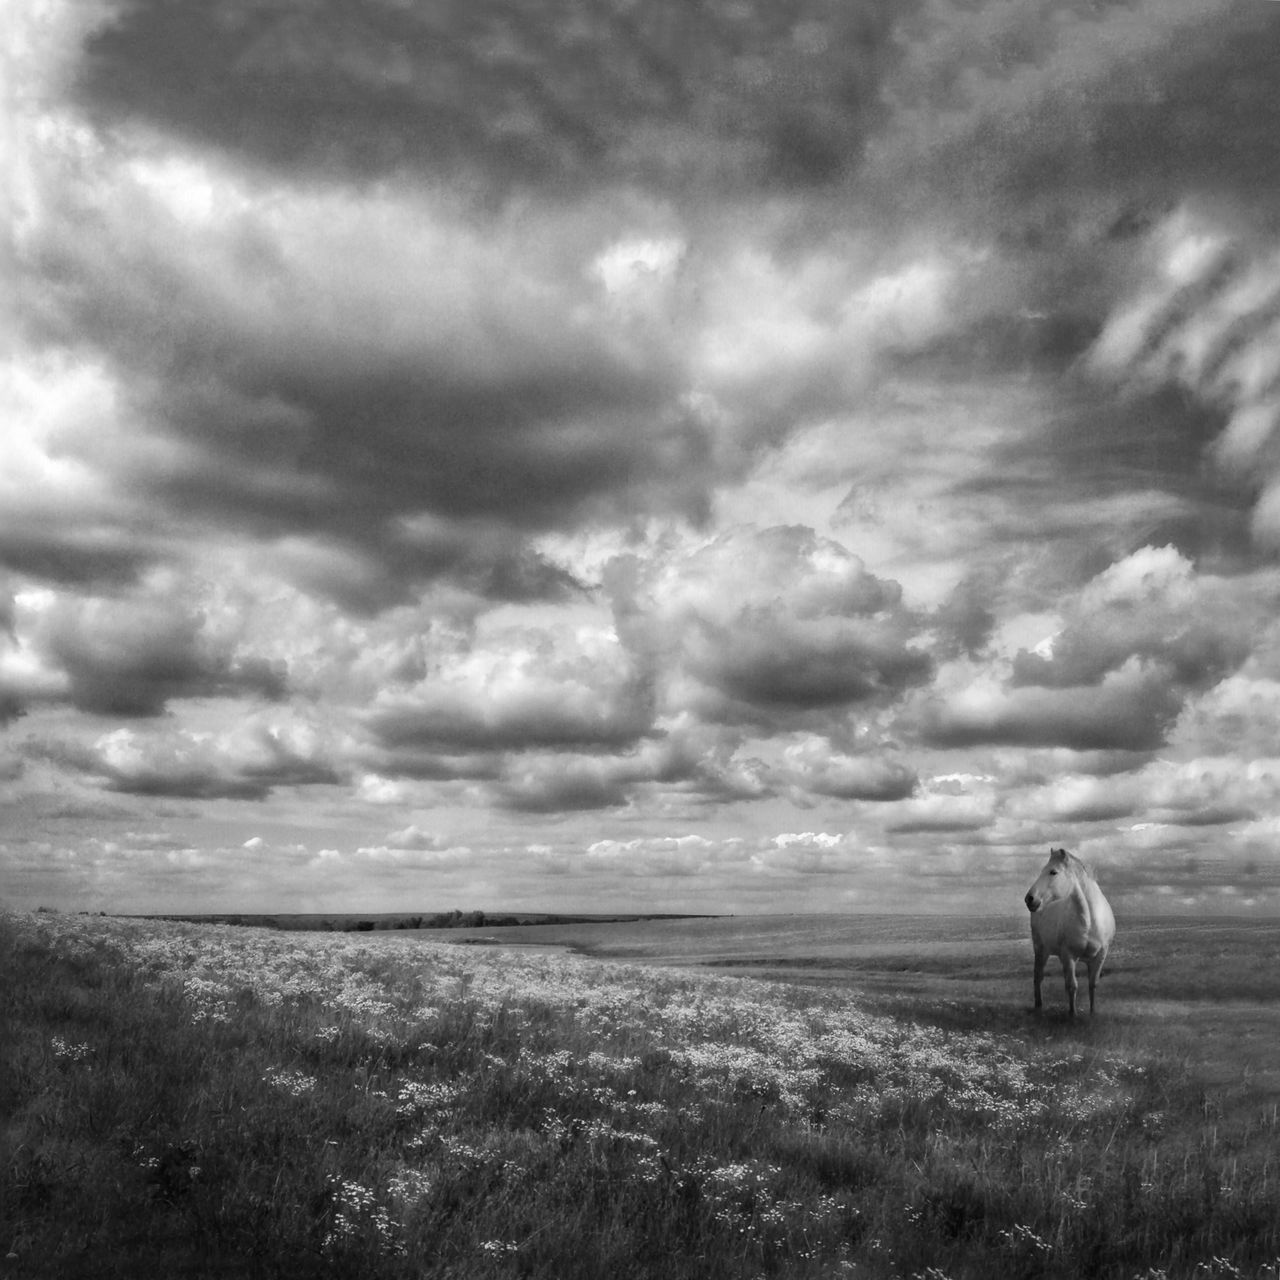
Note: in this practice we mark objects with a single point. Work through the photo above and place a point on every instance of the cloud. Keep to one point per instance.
(525, 688)
(543, 782)
(688, 855)
(662, 97)
(245, 764)
(1039, 112)
(942, 812)
(416, 855)
(1080, 798)
(414, 837)
(128, 656)
(1128, 650)
(817, 767)
(639, 426)
(1151, 606)
(1202, 316)
(1237, 717)
(770, 623)
(60, 519)
(1130, 709)
(807, 853)
(1204, 791)
(363, 371)
(804, 853)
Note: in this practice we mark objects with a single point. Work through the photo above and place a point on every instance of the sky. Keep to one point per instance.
(600, 456)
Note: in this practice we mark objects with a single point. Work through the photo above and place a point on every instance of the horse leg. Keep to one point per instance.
(1095, 970)
(1072, 983)
(1038, 973)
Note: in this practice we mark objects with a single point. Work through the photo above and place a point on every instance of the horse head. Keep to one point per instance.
(1053, 882)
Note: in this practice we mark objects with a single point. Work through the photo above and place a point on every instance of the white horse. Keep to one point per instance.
(1071, 920)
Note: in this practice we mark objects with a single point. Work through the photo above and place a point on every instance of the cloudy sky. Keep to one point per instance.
(607, 455)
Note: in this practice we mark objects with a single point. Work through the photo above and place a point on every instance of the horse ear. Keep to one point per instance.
(1057, 855)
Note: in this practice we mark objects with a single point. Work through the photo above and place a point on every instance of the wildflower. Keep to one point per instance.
(1218, 1266)
(417, 1097)
(1023, 1237)
(296, 1083)
(410, 1185)
(358, 1213)
(65, 1052)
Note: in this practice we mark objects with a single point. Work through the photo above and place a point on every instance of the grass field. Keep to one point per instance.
(189, 1100)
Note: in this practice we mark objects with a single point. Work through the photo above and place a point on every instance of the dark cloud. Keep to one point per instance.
(1196, 643)
(557, 93)
(1099, 476)
(771, 622)
(685, 769)
(1044, 110)
(1148, 628)
(768, 661)
(131, 657)
(92, 555)
(1211, 816)
(1200, 322)
(421, 764)
(1143, 124)
(1035, 768)
(1197, 652)
(374, 382)
(1132, 711)
(966, 619)
(441, 719)
(842, 777)
(376, 570)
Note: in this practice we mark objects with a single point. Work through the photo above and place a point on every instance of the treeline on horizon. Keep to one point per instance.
(355, 923)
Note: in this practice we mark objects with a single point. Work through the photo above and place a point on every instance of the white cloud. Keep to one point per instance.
(1150, 575)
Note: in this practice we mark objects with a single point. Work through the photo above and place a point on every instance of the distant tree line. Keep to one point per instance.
(455, 919)
(442, 920)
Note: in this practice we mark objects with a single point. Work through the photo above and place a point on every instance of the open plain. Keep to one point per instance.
(799, 1096)
(1206, 984)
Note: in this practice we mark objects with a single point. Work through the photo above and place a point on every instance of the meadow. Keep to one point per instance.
(730, 1098)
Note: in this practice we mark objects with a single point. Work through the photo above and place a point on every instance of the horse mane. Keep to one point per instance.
(1079, 864)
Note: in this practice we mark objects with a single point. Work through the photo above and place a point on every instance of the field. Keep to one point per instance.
(794, 1097)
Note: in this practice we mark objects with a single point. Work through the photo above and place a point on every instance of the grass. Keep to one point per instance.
(196, 1100)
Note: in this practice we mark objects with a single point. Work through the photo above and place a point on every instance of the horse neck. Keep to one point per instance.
(1081, 898)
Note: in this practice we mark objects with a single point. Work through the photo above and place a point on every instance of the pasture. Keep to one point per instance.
(790, 1096)
(1205, 988)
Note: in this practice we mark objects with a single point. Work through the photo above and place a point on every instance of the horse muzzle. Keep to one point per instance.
(1032, 905)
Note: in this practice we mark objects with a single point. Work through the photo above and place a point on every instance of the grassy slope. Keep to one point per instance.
(187, 1100)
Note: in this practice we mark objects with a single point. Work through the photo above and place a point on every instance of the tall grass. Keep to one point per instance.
(184, 1101)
